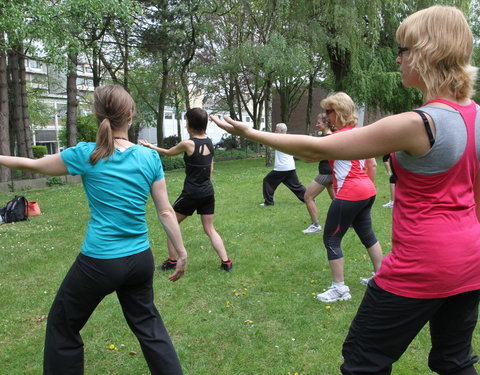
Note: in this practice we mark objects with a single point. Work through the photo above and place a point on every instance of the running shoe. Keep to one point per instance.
(313, 229)
(335, 293)
(169, 264)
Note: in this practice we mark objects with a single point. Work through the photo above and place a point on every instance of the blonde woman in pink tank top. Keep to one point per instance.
(432, 274)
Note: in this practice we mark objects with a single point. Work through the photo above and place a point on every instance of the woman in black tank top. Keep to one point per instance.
(197, 194)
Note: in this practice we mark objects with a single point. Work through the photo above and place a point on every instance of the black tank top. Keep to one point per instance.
(197, 169)
(324, 165)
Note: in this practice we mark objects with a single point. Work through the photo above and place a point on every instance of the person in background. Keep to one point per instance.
(118, 177)
(283, 172)
(323, 180)
(197, 194)
(392, 180)
(431, 275)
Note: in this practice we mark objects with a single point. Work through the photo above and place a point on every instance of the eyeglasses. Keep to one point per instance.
(401, 50)
(328, 111)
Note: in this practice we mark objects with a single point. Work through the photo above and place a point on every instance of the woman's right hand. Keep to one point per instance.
(231, 126)
(179, 269)
(143, 142)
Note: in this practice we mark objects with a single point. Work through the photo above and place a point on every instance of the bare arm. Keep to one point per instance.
(371, 168)
(51, 165)
(175, 150)
(476, 191)
(167, 217)
(394, 133)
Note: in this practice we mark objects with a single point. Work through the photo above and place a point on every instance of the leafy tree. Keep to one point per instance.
(87, 127)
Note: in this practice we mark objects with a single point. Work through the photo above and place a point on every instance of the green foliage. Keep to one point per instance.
(87, 127)
(55, 181)
(39, 151)
(172, 162)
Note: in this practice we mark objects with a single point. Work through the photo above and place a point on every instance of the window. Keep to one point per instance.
(89, 82)
(80, 68)
(34, 64)
(168, 115)
(88, 69)
(247, 119)
(80, 81)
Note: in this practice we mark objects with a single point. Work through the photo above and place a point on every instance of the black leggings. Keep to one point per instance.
(341, 215)
(386, 324)
(84, 287)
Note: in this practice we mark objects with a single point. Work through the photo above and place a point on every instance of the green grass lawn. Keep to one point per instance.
(259, 319)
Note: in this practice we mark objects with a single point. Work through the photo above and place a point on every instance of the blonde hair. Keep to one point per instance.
(440, 44)
(112, 106)
(343, 106)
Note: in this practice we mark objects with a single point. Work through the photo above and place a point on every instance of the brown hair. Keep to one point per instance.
(197, 119)
(112, 106)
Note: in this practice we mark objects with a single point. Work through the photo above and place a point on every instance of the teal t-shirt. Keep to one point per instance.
(117, 190)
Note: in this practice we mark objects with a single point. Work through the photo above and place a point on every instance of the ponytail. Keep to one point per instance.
(113, 107)
(104, 142)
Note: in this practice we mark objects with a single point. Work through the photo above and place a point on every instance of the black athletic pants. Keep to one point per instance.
(85, 285)
(288, 178)
(386, 324)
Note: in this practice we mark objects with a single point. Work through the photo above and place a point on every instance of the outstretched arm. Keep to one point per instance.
(394, 133)
(51, 165)
(167, 217)
(175, 150)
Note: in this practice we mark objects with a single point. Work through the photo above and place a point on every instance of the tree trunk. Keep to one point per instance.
(186, 90)
(25, 117)
(178, 116)
(72, 102)
(268, 112)
(339, 63)
(4, 114)
(162, 99)
(17, 106)
(308, 120)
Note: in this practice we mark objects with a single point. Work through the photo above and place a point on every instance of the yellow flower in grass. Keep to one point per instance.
(327, 307)
(228, 305)
(248, 321)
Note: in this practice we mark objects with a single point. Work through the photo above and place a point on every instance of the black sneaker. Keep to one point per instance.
(227, 266)
(169, 264)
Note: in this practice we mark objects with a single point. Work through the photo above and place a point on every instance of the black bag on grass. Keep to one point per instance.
(15, 210)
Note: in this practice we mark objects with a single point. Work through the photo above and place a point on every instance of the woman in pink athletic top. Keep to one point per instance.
(432, 274)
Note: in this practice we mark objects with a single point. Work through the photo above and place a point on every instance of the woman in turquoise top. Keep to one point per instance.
(118, 176)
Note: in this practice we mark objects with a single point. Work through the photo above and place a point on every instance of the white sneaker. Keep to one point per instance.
(313, 229)
(365, 280)
(389, 204)
(335, 293)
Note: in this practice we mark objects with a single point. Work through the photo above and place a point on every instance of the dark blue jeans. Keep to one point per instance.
(88, 281)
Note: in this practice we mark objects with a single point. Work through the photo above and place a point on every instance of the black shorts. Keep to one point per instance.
(187, 205)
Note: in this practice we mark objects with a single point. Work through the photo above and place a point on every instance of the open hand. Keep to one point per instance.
(179, 269)
(231, 126)
(143, 142)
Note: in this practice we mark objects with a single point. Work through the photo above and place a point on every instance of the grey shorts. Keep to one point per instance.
(324, 179)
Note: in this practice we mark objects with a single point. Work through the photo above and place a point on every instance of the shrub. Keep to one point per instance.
(172, 162)
(55, 181)
(39, 151)
(171, 141)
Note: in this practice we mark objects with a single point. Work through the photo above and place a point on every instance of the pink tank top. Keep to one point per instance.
(435, 230)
